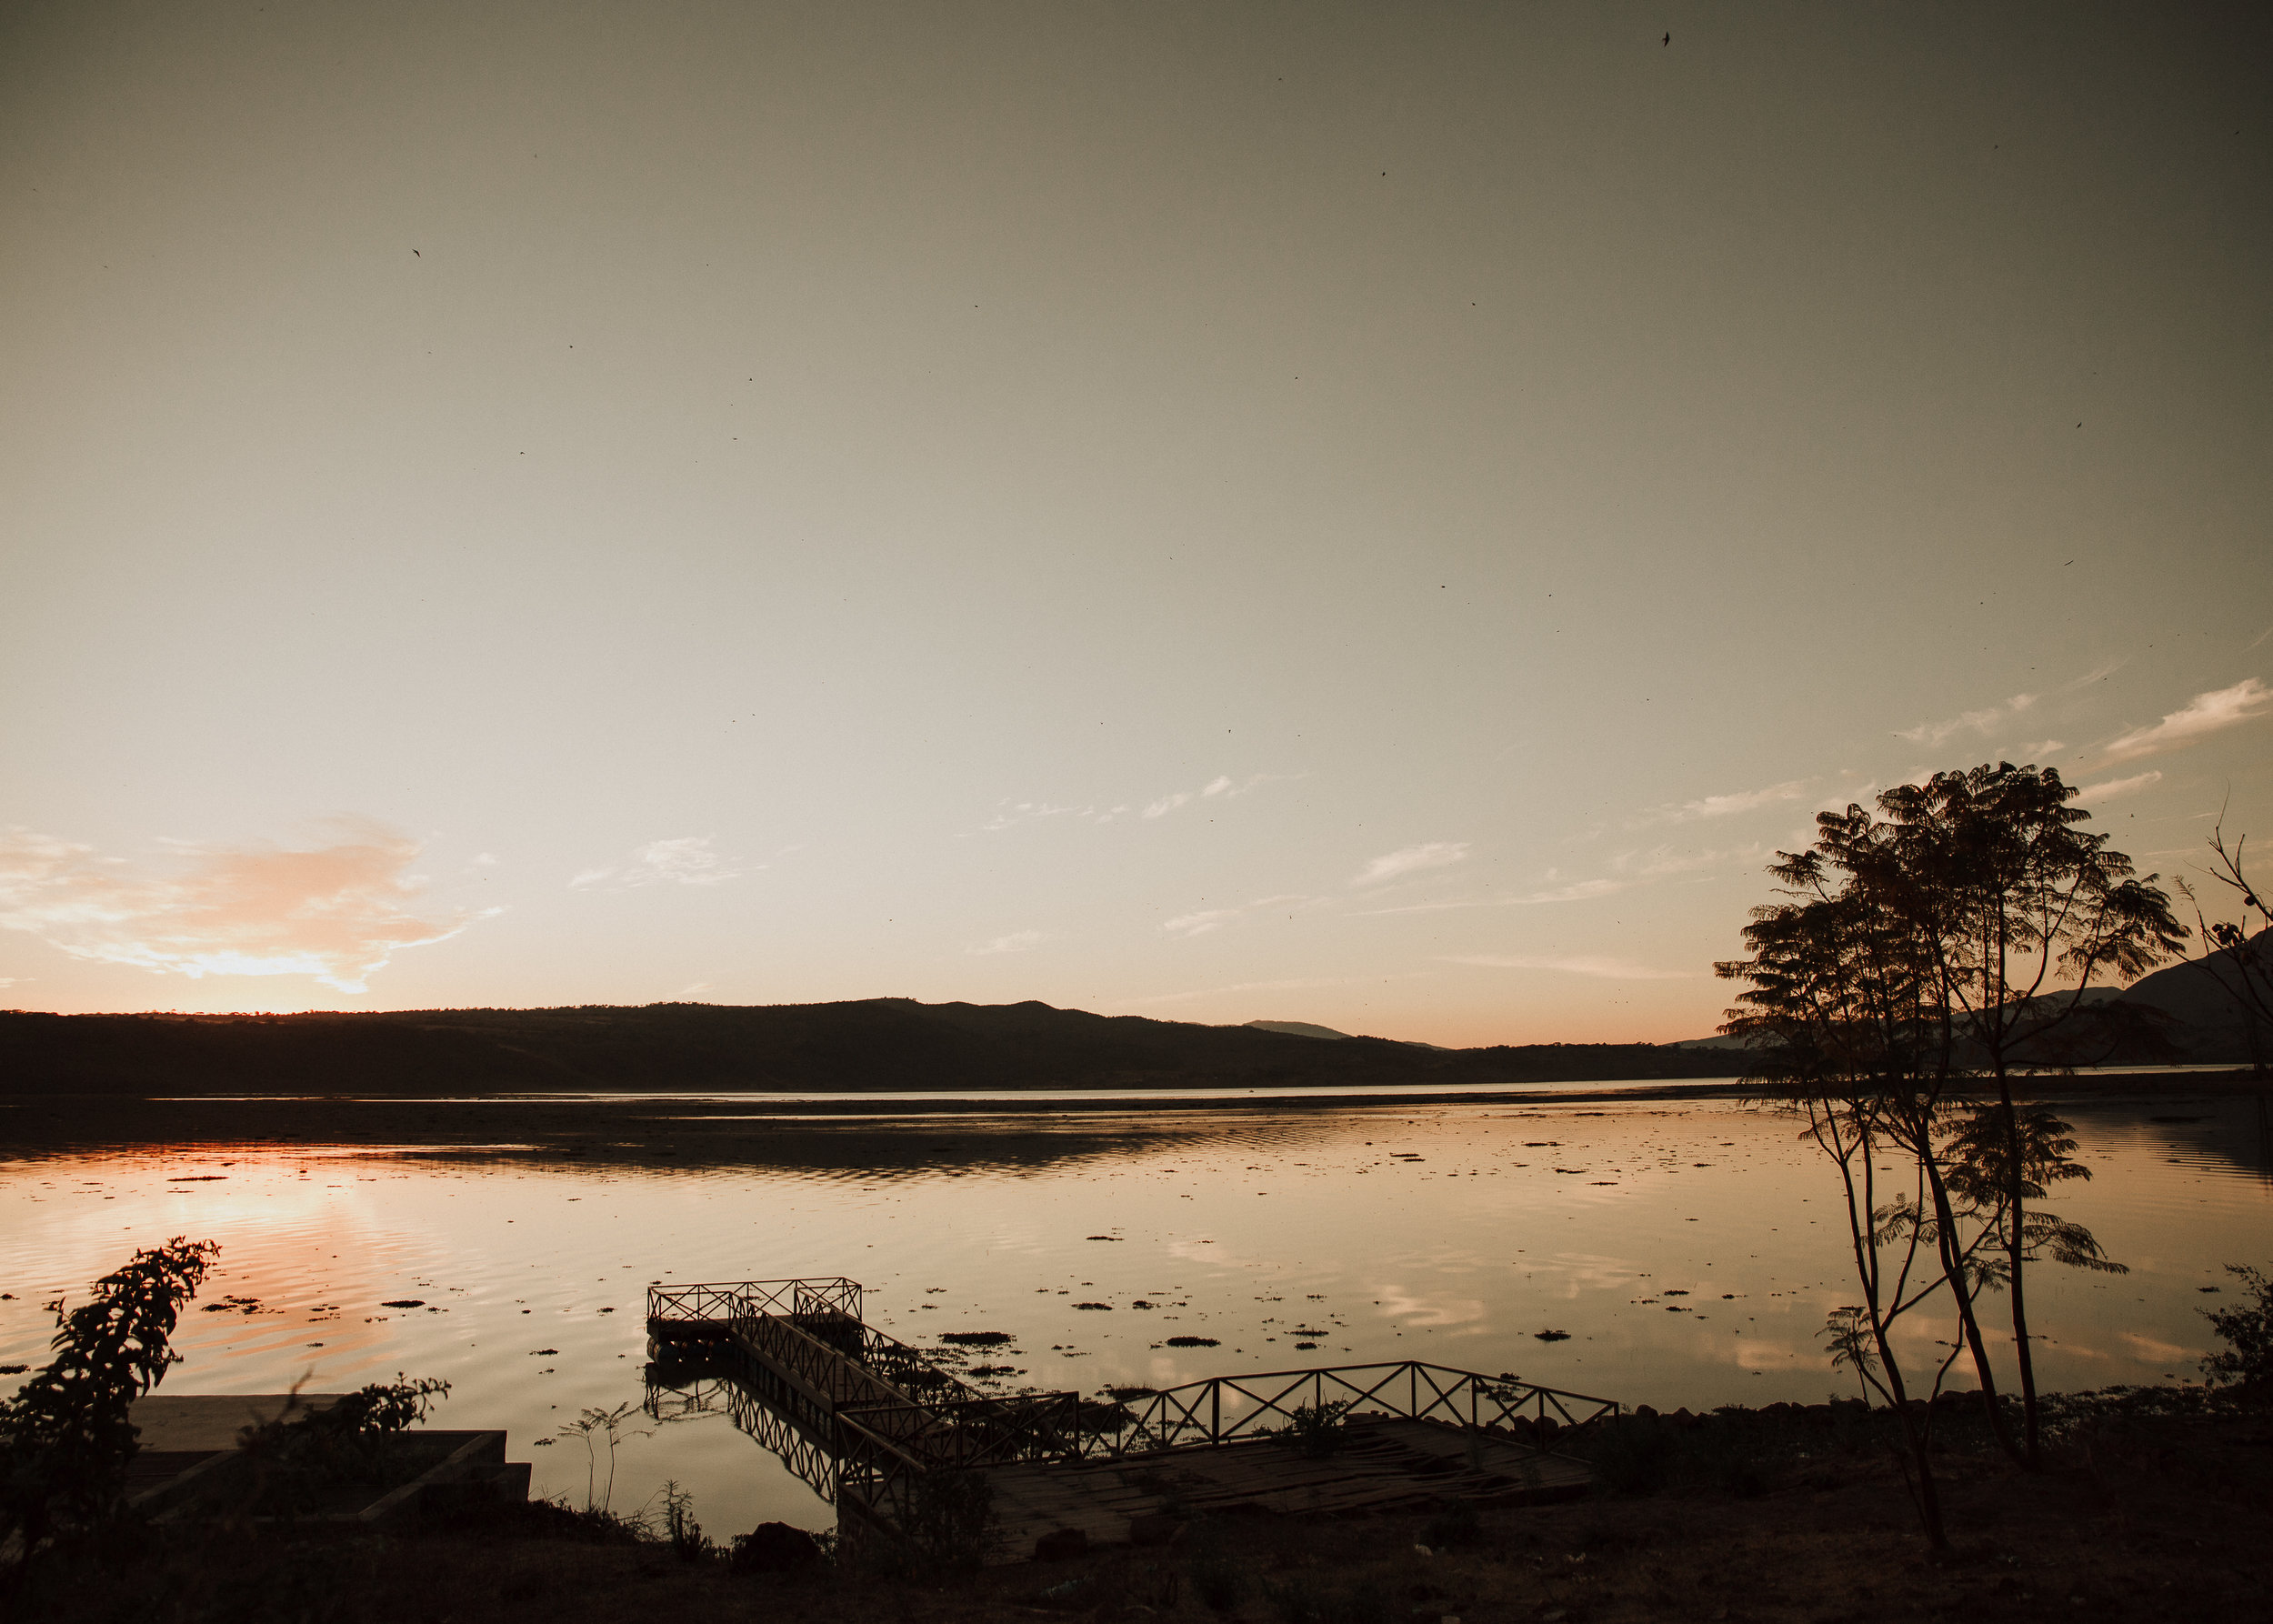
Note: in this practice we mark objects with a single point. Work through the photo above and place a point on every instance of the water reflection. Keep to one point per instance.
(1687, 1252)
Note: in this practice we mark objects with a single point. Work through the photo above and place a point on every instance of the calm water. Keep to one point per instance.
(1690, 1250)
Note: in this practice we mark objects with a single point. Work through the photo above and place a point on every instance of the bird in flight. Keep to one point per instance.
(1668, 38)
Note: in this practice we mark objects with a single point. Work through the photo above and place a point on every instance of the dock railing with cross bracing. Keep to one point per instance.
(1222, 1409)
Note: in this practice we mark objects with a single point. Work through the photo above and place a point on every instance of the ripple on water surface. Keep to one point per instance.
(1688, 1253)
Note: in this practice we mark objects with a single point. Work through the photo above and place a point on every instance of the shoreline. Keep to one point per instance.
(667, 1126)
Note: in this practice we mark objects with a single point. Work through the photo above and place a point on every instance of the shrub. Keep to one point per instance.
(298, 1459)
(1316, 1430)
(65, 1438)
(2248, 1331)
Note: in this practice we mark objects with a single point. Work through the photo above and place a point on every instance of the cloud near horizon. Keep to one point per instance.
(686, 861)
(1018, 941)
(1613, 970)
(1221, 785)
(1412, 859)
(1576, 891)
(1983, 721)
(2199, 717)
(1216, 918)
(337, 912)
(1726, 806)
(2110, 788)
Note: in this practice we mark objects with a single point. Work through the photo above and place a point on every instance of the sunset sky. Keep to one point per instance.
(1376, 515)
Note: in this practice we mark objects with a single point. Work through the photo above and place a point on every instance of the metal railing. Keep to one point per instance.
(809, 1454)
(905, 1432)
(1225, 1408)
(718, 1301)
(888, 1456)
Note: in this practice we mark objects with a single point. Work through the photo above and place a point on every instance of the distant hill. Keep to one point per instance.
(1297, 1028)
(1303, 1028)
(881, 1044)
(2182, 1013)
(2205, 1020)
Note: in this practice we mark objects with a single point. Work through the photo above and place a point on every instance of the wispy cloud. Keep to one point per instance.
(692, 991)
(1574, 891)
(1204, 920)
(2200, 716)
(686, 861)
(1659, 861)
(336, 911)
(1973, 721)
(1223, 785)
(1009, 813)
(1609, 970)
(1018, 941)
(1726, 806)
(1411, 859)
(2108, 789)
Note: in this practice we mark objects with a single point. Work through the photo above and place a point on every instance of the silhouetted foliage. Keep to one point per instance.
(302, 1456)
(1918, 949)
(65, 1439)
(2238, 954)
(2248, 1332)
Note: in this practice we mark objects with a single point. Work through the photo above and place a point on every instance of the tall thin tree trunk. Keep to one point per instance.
(1860, 1224)
(1953, 1270)
(2015, 1253)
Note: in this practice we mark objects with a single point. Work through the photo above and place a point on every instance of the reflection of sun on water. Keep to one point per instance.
(1689, 1255)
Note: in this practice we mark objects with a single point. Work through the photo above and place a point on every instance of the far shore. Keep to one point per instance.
(707, 1124)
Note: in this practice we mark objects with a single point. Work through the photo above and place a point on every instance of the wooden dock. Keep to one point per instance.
(898, 1444)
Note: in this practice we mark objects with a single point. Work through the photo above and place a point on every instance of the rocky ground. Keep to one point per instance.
(2153, 1504)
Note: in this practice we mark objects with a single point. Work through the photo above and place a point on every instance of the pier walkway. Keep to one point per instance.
(900, 1444)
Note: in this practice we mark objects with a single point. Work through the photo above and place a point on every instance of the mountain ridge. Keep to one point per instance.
(864, 1045)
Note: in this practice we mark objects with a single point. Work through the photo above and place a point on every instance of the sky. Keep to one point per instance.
(1385, 516)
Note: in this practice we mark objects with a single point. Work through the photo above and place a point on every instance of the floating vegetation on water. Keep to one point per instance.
(977, 1339)
(1194, 1342)
(1106, 1237)
(406, 1302)
(1106, 1307)
(1552, 1336)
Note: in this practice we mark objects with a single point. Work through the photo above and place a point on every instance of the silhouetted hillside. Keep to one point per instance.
(871, 1044)
(2204, 1018)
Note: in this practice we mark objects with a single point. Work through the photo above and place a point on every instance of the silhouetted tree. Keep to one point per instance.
(1962, 929)
(1831, 1017)
(2013, 898)
(1842, 1017)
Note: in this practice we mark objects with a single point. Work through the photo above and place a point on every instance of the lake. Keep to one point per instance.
(1690, 1251)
